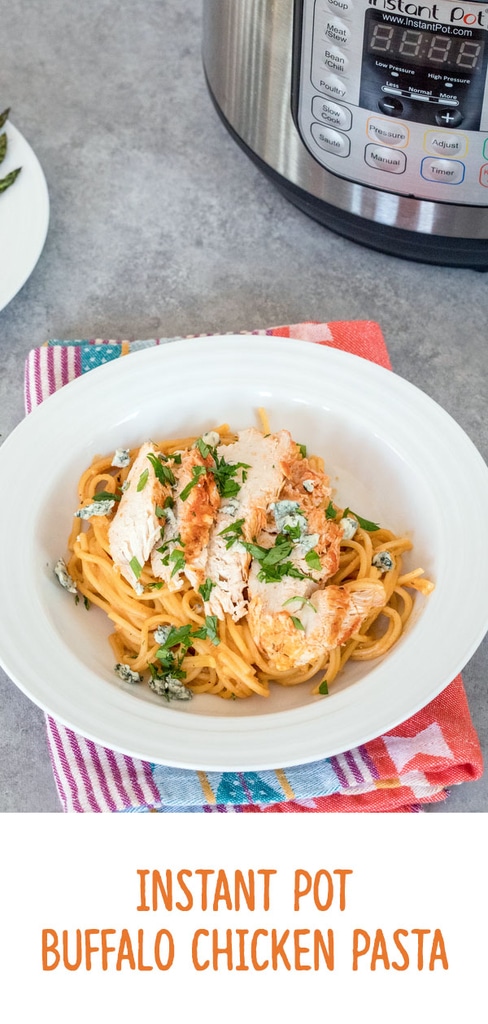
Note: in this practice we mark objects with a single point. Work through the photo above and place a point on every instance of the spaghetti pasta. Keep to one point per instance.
(228, 662)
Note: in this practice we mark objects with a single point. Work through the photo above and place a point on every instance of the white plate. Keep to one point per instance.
(394, 456)
(24, 215)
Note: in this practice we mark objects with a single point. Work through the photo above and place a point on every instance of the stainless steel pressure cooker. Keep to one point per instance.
(369, 115)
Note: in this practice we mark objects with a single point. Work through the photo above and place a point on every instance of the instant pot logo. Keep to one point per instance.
(443, 14)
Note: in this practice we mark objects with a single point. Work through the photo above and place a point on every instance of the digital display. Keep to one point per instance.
(425, 48)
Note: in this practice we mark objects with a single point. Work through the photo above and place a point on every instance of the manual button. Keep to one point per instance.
(446, 172)
(391, 133)
(330, 140)
(445, 143)
(385, 159)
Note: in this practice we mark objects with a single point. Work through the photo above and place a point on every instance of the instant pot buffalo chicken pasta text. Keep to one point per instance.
(225, 565)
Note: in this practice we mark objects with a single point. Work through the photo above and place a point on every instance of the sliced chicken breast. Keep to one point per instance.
(136, 528)
(182, 552)
(328, 621)
(261, 480)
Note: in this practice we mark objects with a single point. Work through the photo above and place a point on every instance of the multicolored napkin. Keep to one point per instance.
(411, 765)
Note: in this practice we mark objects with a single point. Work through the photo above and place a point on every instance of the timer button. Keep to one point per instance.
(446, 172)
(448, 118)
(391, 106)
(331, 140)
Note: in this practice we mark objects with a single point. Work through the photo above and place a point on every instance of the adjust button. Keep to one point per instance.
(445, 143)
(331, 113)
(446, 172)
(330, 140)
(391, 133)
(385, 159)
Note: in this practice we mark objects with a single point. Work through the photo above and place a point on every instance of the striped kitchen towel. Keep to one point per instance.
(409, 766)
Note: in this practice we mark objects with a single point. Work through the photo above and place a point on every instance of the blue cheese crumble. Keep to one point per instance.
(170, 688)
(212, 438)
(383, 560)
(309, 485)
(97, 508)
(349, 527)
(63, 576)
(121, 458)
(161, 634)
(127, 674)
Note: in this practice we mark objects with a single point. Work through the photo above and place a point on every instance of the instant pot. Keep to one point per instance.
(369, 115)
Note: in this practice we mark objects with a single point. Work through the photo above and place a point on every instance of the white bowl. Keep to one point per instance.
(394, 456)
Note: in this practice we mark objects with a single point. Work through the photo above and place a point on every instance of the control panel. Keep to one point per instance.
(394, 95)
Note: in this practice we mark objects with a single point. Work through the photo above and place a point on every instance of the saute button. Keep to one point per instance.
(446, 172)
(332, 113)
(385, 159)
(330, 140)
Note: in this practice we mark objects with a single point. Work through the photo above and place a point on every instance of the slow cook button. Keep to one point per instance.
(331, 113)
(391, 133)
(446, 172)
(445, 143)
(385, 159)
(330, 140)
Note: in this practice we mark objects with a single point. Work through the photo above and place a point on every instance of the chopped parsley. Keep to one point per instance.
(163, 473)
(323, 688)
(202, 448)
(206, 589)
(106, 496)
(365, 524)
(297, 623)
(330, 512)
(232, 533)
(178, 559)
(302, 448)
(209, 631)
(303, 601)
(136, 567)
(156, 586)
(313, 561)
(275, 562)
(159, 512)
(142, 480)
(197, 472)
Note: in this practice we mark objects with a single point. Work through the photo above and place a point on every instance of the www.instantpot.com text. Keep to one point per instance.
(445, 15)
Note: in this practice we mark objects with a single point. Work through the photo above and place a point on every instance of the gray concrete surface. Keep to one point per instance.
(161, 226)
